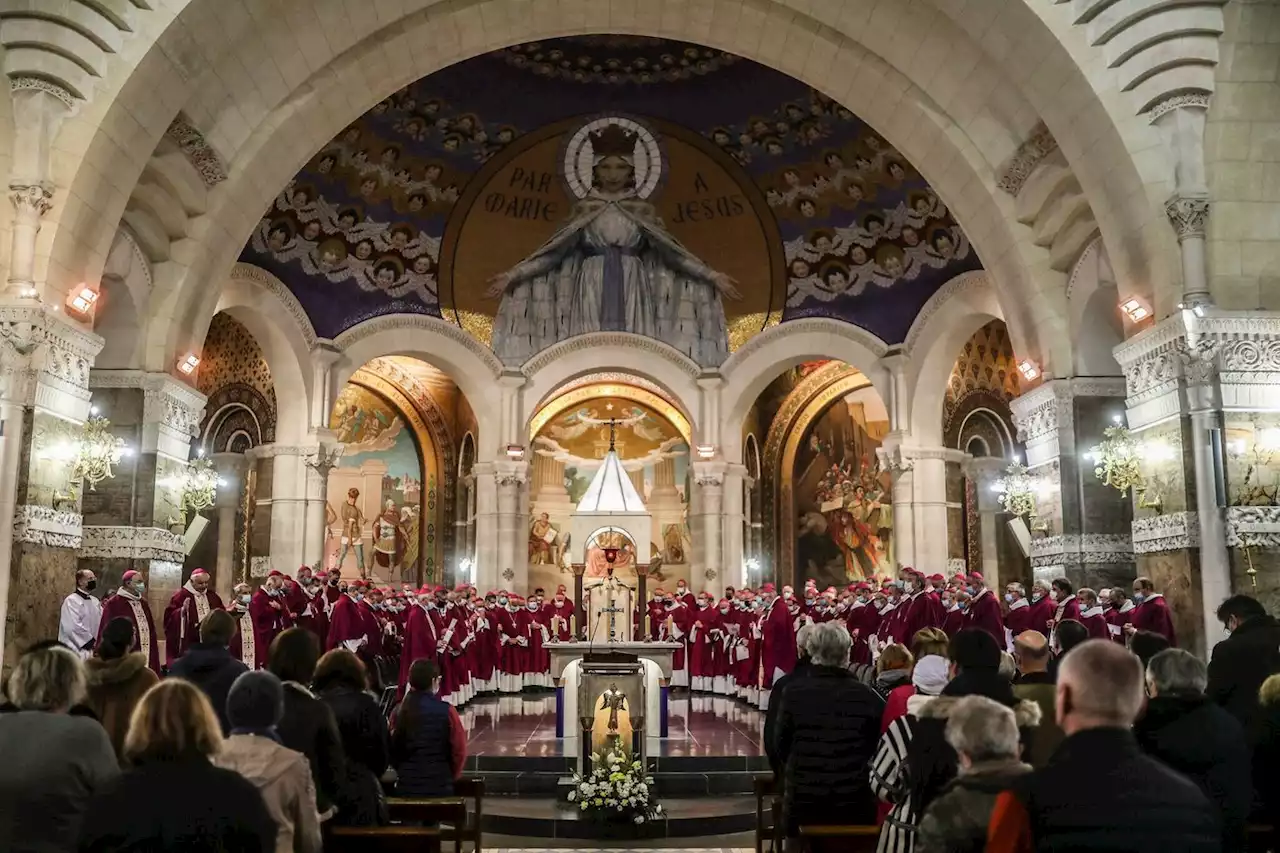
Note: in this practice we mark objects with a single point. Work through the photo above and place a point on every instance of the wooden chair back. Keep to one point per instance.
(383, 839)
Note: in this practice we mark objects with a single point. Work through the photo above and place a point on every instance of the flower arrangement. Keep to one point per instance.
(615, 789)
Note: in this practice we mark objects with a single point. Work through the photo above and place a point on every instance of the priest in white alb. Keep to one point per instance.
(184, 613)
(81, 615)
(129, 604)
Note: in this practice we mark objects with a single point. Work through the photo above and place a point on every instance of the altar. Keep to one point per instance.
(567, 673)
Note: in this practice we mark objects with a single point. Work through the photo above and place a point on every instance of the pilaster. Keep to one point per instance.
(510, 480)
(489, 573)
(1086, 537)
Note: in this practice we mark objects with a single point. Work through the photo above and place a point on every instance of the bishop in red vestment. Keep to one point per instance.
(128, 602)
(924, 607)
(984, 610)
(704, 635)
(561, 610)
(1150, 614)
(421, 641)
(778, 644)
(1119, 614)
(512, 658)
(535, 628)
(347, 629)
(1041, 609)
(684, 596)
(1091, 614)
(677, 622)
(1018, 619)
(270, 613)
(313, 613)
(184, 613)
(1065, 605)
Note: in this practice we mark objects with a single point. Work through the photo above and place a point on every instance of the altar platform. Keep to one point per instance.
(703, 770)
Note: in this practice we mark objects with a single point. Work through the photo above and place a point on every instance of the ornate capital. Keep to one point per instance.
(894, 459)
(198, 150)
(32, 199)
(1189, 215)
(1190, 100)
(39, 84)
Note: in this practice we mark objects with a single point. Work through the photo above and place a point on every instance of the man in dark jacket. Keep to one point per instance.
(209, 665)
(1245, 659)
(803, 665)
(1099, 792)
(827, 732)
(1187, 731)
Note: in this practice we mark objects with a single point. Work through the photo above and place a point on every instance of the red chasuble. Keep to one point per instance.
(137, 611)
(345, 624)
(182, 618)
(984, 614)
(1153, 614)
(778, 643)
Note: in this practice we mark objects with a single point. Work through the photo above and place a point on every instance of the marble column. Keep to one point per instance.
(315, 520)
(733, 533)
(512, 554)
(1086, 536)
(232, 471)
(708, 520)
(44, 400)
(136, 519)
(489, 571)
(38, 110)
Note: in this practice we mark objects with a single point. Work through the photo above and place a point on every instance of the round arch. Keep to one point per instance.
(559, 403)
(559, 365)
(963, 306)
(758, 362)
(261, 303)
(470, 364)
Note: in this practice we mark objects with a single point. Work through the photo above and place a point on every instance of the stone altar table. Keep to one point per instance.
(566, 667)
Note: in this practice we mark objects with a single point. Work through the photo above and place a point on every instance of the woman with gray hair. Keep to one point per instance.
(53, 761)
(985, 736)
(828, 725)
(1189, 732)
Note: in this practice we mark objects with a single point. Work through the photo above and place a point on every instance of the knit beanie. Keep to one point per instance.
(256, 701)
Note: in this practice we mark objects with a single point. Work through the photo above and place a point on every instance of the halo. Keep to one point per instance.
(578, 154)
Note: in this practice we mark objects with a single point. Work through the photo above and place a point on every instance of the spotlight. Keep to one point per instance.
(83, 301)
(188, 364)
(1028, 369)
(1135, 309)
(515, 452)
(706, 451)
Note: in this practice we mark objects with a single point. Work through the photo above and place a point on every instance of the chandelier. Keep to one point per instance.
(97, 451)
(1116, 460)
(1017, 493)
(199, 485)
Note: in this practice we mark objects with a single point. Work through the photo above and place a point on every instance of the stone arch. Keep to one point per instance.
(964, 305)
(758, 362)
(1096, 325)
(260, 302)
(956, 153)
(472, 366)
(123, 295)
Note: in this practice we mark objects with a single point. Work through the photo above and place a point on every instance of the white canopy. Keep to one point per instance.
(611, 490)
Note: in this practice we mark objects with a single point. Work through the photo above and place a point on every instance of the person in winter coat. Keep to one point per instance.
(210, 665)
(925, 643)
(1266, 758)
(428, 742)
(1034, 683)
(53, 761)
(173, 797)
(827, 731)
(913, 760)
(893, 669)
(117, 679)
(255, 704)
(308, 725)
(803, 665)
(340, 683)
(1245, 659)
(1190, 733)
(984, 734)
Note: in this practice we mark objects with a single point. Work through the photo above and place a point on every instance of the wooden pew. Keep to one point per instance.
(765, 788)
(382, 839)
(448, 810)
(844, 839)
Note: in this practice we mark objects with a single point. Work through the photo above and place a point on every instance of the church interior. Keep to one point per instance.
(827, 289)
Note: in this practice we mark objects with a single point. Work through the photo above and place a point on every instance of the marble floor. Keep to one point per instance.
(697, 726)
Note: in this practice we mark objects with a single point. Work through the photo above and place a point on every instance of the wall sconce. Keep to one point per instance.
(188, 364)
(1135, 309)
(83, 301)
(97, 452)
(1028, 369)
(515, 452)
(706, 451)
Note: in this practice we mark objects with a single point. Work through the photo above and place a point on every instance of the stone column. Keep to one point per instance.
(709, 478)
(136, 520)
(733, 530)
(489, 571)
(39, 108)
(512, 553)
(318, 467)
(44, 399)
(897, 460)
(1086, 522)
(232, 469)
(985, 472)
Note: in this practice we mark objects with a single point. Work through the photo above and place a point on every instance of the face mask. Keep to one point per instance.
(1036, 596)
(533, 605)
(947, 602)
(908, 587)
(1008, 596)
(669, 602)
(139, 588)
(726, 610)
(971, 590)
(809, 602)
(1138, 598)
(787, 595)
(359, 596)
(964, 606)
(91, 585)
(333, 583)
(502, 601)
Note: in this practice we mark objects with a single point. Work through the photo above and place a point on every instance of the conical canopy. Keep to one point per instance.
(611, 490)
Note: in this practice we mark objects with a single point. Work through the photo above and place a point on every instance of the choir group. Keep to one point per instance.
(735, 646)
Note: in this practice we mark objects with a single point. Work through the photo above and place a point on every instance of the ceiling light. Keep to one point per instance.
(1028, 369)
(83, 301)
(1135, 309)
(706, 451)
(188, 364)
(515, 452)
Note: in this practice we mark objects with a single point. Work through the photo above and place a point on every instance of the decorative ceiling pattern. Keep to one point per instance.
(986, 367)
(359, 232)
(234, 376)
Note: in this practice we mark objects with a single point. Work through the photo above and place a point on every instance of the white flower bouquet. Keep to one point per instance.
(616, 789)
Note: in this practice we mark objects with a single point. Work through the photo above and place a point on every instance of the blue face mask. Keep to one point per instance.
(139, 589)
(246, 598)
(1008, 596)
(808, 602)
(1138, 599)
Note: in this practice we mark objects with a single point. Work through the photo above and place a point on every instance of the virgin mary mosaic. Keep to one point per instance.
(612, 267)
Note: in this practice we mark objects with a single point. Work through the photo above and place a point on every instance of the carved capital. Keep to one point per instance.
(32, 199)
(39, 84)
(1185, 100)
(1189, 215)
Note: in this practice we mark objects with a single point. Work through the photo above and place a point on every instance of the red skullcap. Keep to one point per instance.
(976, 576)
(275, 574)
(199, 572)
(130, 575)
(724, 602)
(936, 578)
(862, 587)
(439, 589)
(769, 588)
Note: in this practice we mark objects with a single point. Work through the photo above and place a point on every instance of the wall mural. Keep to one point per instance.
(843, 500)
(377, 492)
(568, 450)
(606, 182)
